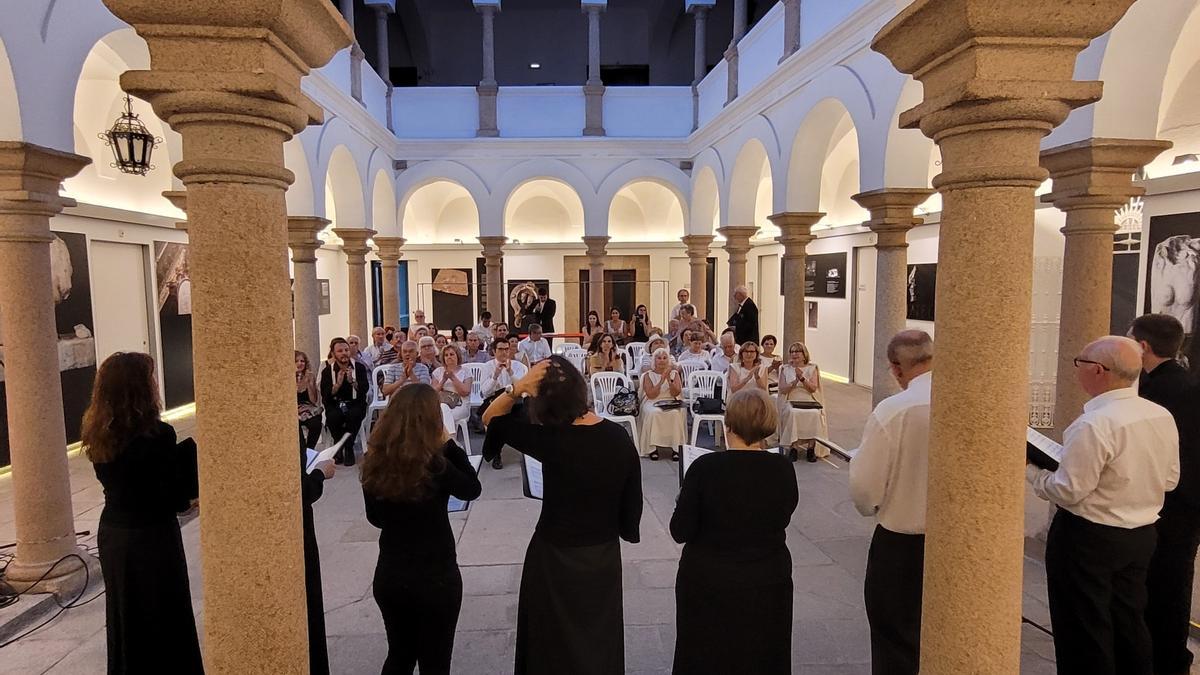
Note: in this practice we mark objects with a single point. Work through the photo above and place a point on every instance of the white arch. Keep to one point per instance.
(656, 171)
(493, 213)
(343, 184)
(826, 124)
(646, 210)
(760, 131)
(906, 161)
(383, 205)
(544, 210)
(746, 182)
(300, 200)
(331, 136)
(10, 108)
(706, 202)
(440, 212)
(419, 175)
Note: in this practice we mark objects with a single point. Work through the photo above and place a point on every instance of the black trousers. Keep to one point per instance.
(1096, 578)
(1169, 586)
(345, 422)
(310, 431)
(893, 590)
(420, 613)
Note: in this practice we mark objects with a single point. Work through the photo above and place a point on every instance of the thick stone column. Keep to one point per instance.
(997, 78)
(731, 54)
(389, 256)
(493, 253)
(1092, 179)
(593, 91)
(699, 56)
(737, 245)
(795, 233)
(304, 240)
(891, 219)
(595, 253)
(791, 28)
(356, 248)
(227, 77)
(698, 252)
(488, 89)
(30, 177)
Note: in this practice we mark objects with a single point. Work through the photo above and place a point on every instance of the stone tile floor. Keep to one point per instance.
(827, 538)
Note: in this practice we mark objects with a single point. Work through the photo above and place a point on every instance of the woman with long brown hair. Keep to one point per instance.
(147, 479)
(308, 401)
(408, 475)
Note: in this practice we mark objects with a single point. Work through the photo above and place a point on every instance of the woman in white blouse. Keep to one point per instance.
(615, 326)
(748, 370)
(647, 361)
(451, 377)
(800, 380)
(661, 428)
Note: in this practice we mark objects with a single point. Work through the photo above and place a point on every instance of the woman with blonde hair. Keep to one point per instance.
(308, 401)
(147, 479)
(453, 384)
(748, 370)
(800, 381)
(663, 423)
(411, 471)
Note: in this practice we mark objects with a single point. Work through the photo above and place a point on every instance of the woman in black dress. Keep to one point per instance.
(312, 486)
(408, 476)
(570, 613)
(147, 480)
(733, 594)
(308, 401)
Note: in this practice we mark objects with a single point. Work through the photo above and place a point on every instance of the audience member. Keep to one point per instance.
(592, 325)
(695, 351)
(770, 358)
(888, 480)
(393, 338)
(569, 616)
(535, 347)
(684, 298)
(1118, 460)
(147, 479)
(418, 317)
(744, 321)
(545, 310)
(312, 486)
(345, 385)
(440, 341)
(748, 371)
(308, 401)
(356, 354)
(603, 356)
(1169, 579)
(615, 325)
(721, 361)
(500, 331)
(433, 329)
(458, 336)
(687, 321)
(409, 475)
(800, 380)
(427, 353)
(484, 327)
(500, 373)
(408, 371)
(379, 345)
(661, 428)
(453, 384)
(639, 328)
(419, 332)
(733, 592)
(518, 355)
(647, 361)
(475, 352)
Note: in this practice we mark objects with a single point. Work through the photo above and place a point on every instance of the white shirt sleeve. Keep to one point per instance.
(871, 466)
(1085, 454)
(488, 386)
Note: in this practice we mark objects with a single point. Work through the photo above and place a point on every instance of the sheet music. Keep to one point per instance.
(531, 477)
(455, 504)
(314, 456)
(687, 455)
(1037, 442)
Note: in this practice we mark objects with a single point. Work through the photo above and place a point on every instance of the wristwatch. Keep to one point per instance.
(509, 392)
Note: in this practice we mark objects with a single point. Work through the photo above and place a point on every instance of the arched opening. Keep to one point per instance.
(344, 206)
(440, 212)
(823, 172)
(543, 210)
(383, 205)
(751, 189)
(706, 203)
(10, 111)
(645, 210)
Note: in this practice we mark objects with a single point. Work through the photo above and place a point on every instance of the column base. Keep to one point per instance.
(66, 580)
(488, 121)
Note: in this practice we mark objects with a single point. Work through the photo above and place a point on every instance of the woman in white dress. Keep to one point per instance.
(661, 428)
(748, 370)
(451, 377)
(800, 380)
(647, 361)
(771, 359)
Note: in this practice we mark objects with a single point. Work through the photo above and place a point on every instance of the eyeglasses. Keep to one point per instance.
(1077, 361)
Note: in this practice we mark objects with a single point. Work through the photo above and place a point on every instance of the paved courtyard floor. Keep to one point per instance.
(827, 537)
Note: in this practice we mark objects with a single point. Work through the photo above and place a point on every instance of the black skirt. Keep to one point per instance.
(570, 615)
(148, 603)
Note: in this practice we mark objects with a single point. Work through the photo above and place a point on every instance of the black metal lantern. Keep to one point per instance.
(131, 142)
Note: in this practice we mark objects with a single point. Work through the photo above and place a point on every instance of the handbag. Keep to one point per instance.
(708, 406)
(624, 403)
(807, 405)
(450, 398)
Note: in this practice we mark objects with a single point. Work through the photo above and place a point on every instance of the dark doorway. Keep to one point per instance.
(620, 291)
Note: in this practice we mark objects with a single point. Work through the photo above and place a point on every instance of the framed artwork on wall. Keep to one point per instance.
(825, 275)
(922, 284)
(174, 301)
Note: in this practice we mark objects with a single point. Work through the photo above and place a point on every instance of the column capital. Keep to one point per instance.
(30, 178)
(1097, 173)
(737, 237)
(303, 236)
(698, 245)
(354, 243)
(892, 213)
(388, 250)
(596, 245)
(795, 230)
(178, 199)
(493, 245)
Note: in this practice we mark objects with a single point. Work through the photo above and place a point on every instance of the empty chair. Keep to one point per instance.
(635, 351)
(475, 371)
(578, 358)
(604, 387)
(703, 384)
(377, 401)
(686, 368)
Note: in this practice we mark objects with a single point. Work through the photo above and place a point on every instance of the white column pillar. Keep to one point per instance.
(593, 91)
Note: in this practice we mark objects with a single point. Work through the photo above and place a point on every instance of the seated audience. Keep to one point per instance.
(379, 345)
(687, 321)
(800, 380)
(727, 356)
(647, 360)
(147, 479)
(484, 327)
(474, 351)
(1119, 458)
(615, 325)
(393, 338)
(639, 328)
(534, 347)
(308, 401)
(733, 593)
(569, 615)
(770, 358)
(748, 370)
(518, 355)
(356, 354)
(408, 371)
(345, 387)
(592, 325)
(453, 384)
(440, 341)
(433, 329)
(458, 336)
(500, 331)
(661, 428)
(409, 475)
(695, 350)
(501, 373)
(427, 353)
(418, 332)
(603, 356)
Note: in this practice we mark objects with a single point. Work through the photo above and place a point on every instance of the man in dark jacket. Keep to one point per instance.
(545, 311)
(744, 321)
(345, 385)
(1169, 579)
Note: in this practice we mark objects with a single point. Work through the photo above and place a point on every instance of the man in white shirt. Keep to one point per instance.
(888, 481)
(484, 327)
(498, 374)
(535, 347)
(379, 345)
(728, 355)
(684, 298)
(1119, 459)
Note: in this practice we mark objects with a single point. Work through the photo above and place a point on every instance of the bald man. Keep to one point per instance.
(1120, 458)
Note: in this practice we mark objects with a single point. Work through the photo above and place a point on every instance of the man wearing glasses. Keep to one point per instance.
(500, 373)
(1119, 459)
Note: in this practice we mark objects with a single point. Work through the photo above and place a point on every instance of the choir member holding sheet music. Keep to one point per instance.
(312, 485)
(411, 471)
(733, 593)
(888, 481)
(569, 617)
(1119, 458)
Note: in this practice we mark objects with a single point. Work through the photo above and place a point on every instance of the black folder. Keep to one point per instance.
(1041, 451)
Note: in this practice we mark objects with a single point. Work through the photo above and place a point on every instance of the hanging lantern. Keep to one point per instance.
(131, 142)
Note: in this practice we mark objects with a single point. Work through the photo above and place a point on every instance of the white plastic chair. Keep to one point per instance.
(456, 427)
(577, 359)
(475, 371)
(564, 347)
(702, 384)
(604, 387)
(686, 368)
(635, 350)
(377, 401)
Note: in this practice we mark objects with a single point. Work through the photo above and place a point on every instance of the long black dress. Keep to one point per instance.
(148, 603)
(312, 486)
(733, 594)
(417, 583)
(570, 613)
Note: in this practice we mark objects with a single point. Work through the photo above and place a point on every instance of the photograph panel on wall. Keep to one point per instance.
(174, 302)
(451, 302)
(922, 284)
(522, 302)
(71, 289)
(825, 275)
(1173, 273)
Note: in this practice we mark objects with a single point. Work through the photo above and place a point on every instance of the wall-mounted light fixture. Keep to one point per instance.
(131, 142)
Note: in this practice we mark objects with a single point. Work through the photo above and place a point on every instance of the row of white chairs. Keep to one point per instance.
(699, 384)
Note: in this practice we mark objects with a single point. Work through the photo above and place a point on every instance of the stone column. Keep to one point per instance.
(304, 240)
(383, 54)
(356, 248)
(389, 256)
(997, 78)
(698, 251)
(178, 199)
(593, 91)
(595, 253)
(493, 253)
(347, 9)
(699, 57)
(30, 177)
(1092, 179)
(737, 245)
(356, 60)
(731, 54)
(791, 28)
(226, 76)
(795, 233)
(488, 88)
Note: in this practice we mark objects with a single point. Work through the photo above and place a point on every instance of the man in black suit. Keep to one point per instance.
(545, 311)
(744, 321)
(1169, 578)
